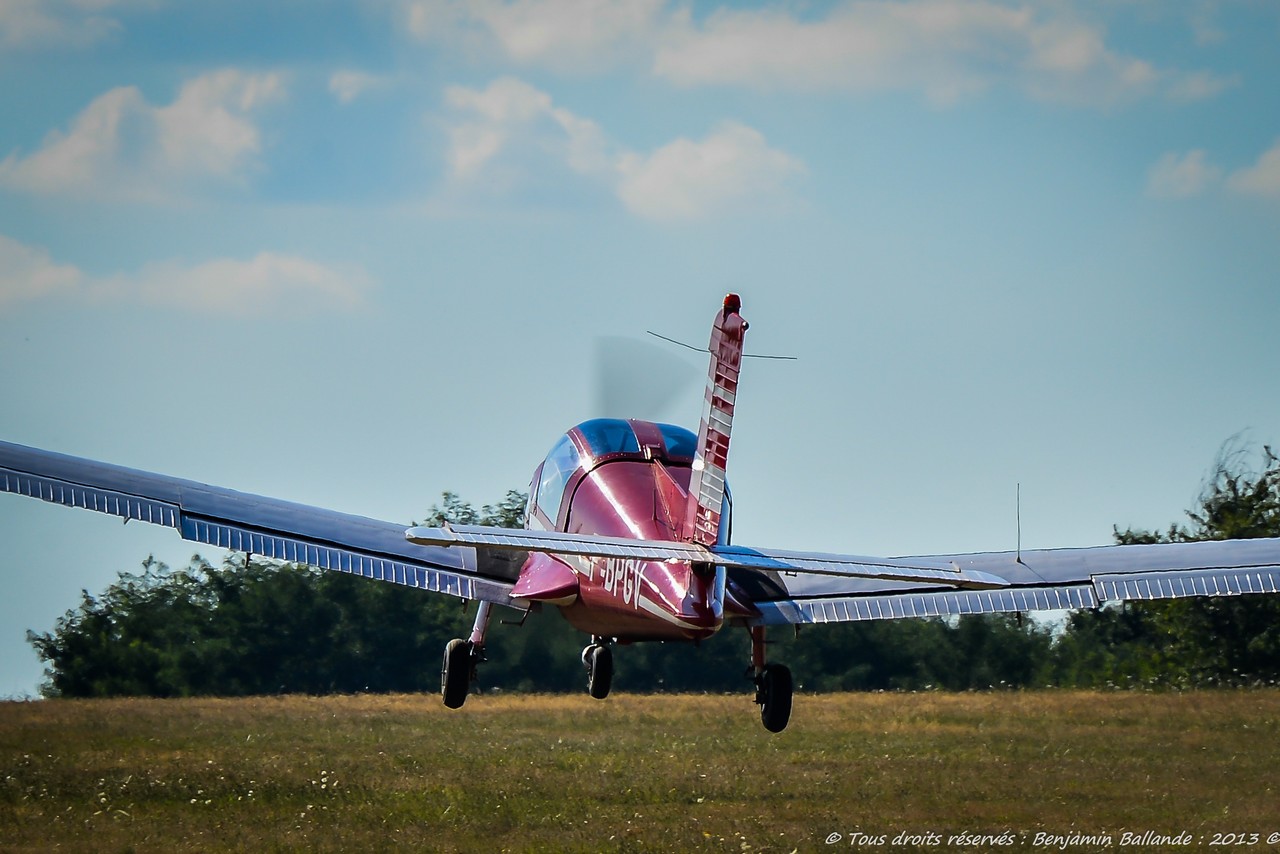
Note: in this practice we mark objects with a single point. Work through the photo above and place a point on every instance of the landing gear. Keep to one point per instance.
(773, 693)
(459, 669)
(773, 685)
(598, 659)
(460, 660)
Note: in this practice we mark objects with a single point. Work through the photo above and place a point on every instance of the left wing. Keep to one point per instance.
(258, 525)
(1040, 580)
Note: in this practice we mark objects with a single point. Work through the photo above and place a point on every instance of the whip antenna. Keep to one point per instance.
(705, 350)
(1018, 517)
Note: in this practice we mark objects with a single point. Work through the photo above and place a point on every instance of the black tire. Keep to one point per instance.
(455, 675)
(775, 691)
(599, 671)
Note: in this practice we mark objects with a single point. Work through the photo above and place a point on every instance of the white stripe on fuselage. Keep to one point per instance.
(613, 576)
(586, 567)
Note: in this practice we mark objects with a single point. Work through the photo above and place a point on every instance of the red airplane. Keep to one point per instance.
(627, 531)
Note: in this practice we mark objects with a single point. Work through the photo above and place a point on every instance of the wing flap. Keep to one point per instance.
(924, 603)
(238, 521)
(1185, 583)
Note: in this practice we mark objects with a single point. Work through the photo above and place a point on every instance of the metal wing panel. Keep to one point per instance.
(1056, 566)
(98, 499)
(933, 572)
(1049, 579)
(558, 542)
(1175, 585)
(914, 569)
(250, 523)
(936, 603)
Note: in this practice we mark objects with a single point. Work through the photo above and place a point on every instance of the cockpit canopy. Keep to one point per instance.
(601, 440)
(609, 437)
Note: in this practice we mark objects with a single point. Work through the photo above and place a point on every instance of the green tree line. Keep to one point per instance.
(251, 626)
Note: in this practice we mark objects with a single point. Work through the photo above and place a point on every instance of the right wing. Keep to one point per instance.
(261, 526)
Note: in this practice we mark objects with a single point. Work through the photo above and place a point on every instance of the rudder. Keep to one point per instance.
(706, 486)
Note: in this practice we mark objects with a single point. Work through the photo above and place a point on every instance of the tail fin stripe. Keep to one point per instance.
(706, 488)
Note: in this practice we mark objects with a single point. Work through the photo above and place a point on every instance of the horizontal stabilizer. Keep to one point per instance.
(734, 557)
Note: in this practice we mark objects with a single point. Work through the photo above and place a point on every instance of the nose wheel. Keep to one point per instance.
(598, 660)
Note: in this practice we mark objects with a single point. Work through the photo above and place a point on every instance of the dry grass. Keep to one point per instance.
(634, 773)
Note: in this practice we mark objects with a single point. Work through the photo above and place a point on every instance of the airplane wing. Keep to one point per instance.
(1040, 580)
(476, 562)
(257, 525)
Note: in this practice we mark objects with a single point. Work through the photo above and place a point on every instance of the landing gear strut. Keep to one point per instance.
(598, 660)
(460, 660)
(773, 685)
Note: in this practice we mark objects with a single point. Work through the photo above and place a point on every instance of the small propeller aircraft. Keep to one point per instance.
(627, 531)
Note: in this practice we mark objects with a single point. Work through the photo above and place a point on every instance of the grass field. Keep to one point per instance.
(636, 773)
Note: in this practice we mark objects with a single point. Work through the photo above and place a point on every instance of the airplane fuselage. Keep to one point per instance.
(632, 484)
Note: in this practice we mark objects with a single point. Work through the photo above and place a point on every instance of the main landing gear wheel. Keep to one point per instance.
(773, 693)
(455, 675)
(599, 661)
(460, 660)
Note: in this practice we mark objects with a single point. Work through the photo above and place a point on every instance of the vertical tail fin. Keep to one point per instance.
(706, 487)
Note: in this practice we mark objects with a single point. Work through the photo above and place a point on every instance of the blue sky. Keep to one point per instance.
(356, 253)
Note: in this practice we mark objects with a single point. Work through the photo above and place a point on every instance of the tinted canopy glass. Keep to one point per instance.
(607, 436)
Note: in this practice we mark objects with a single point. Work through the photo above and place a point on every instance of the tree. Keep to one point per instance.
(1231, 640)
(253, 626)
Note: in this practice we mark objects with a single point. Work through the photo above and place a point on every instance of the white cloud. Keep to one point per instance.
(123, 148)
(207, 130)
(1262, 178)
(511, 111)
(53, 23)
(1199, 86)
(573, 33)
(945, 49)
(1177, 176)
(346, 85)
(686, 179)
(27, 272)
(511, 126)
(561, 34)
(267, 282)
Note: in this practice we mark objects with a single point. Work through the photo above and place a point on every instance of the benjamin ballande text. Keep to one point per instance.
(1051, 841)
